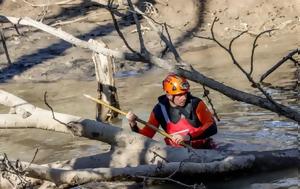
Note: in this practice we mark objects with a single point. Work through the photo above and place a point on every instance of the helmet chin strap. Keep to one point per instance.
(172, 102)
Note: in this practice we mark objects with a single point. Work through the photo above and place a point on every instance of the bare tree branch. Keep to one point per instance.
(277, 106)
(161, 35)
(288, 57)
(143, 49)
(253, 49)
(239, 95)
(13, 171)
(110, 8)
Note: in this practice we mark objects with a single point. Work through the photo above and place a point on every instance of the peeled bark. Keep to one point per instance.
(80, 176)
(107, 90)
(193, 170)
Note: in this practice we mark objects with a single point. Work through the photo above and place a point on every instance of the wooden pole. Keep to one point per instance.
(106, 84)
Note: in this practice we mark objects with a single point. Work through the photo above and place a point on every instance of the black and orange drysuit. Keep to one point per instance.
(193, 119)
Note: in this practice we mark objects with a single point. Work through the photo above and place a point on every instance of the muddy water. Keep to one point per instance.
(242, 126)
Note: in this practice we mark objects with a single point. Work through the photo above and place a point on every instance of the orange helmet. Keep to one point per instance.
(175, 85)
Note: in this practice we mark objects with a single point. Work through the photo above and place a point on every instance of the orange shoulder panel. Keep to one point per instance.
(147, 131)
(205, 117)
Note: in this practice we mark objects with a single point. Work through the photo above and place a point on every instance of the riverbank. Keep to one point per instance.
(37, 56)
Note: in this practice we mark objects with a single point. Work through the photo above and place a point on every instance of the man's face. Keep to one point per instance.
(178, 100)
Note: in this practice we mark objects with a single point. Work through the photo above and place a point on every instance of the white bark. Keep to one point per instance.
(106, 83)
(80, 176)
(83, 44)
(35, 117)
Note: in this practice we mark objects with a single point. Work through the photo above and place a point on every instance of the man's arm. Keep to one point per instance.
(208, 124)
(146, 131)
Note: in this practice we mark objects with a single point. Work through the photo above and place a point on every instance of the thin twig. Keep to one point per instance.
(169, 178)
(295, 61)
(4, 46)
(206, 94)
(202, 37)
(158, 155)
(59, 23)
(168, 43)
(253, 49)
(178, 169)
(171, 46)
(235, 38)
(36, 151)
(235, 62)
(53, 116)
(273, 68)
(17, 30)
(143, 49)
(110, 9)
(44, 12)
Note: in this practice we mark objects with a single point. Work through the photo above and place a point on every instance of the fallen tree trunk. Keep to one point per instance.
(81, 176)
(192, 170)
(232, 165)
(238, 95)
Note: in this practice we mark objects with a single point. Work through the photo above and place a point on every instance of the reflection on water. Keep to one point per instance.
(251, 182)
(242, 126)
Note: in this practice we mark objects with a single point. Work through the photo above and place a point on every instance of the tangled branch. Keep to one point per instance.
(236, 63)
(13, 172)
(111, 8)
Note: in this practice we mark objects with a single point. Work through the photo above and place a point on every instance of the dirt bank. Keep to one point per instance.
(38, 56)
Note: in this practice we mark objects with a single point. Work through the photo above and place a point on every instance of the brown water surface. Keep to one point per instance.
(242, 126)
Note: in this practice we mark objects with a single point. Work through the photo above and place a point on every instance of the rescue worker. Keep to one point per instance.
(185, 117)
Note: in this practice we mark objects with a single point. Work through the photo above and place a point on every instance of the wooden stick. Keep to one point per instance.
(137, 119)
